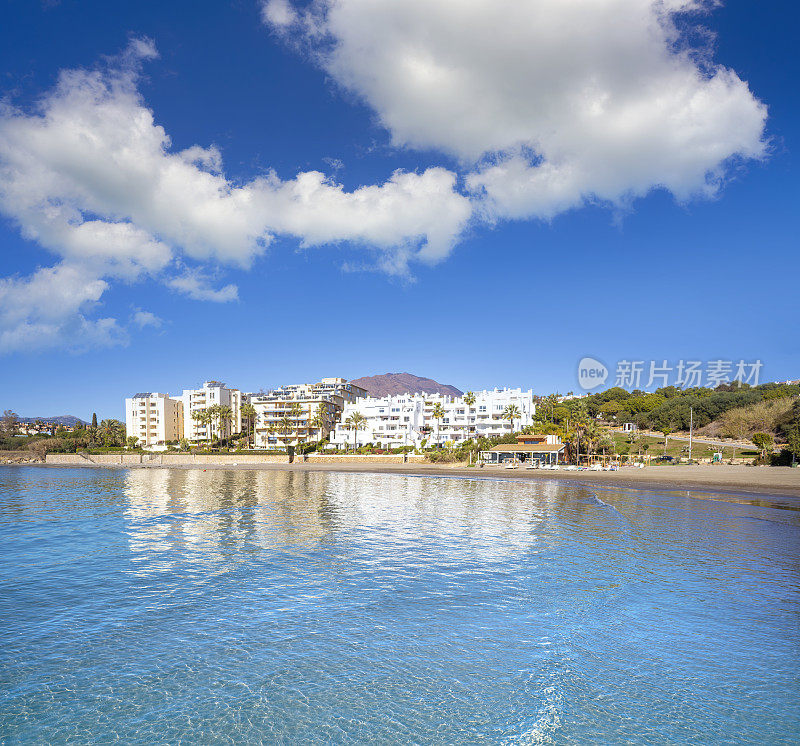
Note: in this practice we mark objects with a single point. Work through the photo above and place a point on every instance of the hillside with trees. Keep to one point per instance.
(671, 406)
(728, 411)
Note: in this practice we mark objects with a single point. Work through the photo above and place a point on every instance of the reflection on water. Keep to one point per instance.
(215, 512)
(158, 605)
(219, 516)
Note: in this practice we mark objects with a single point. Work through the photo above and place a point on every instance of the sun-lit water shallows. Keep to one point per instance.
(159, 606)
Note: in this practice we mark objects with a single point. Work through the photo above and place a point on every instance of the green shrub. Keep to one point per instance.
(784, 458)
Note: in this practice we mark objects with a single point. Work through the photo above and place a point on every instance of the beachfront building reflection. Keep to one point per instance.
(177, 516)
(174, 512)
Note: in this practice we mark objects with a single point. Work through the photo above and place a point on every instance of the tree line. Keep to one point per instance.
(108, 433)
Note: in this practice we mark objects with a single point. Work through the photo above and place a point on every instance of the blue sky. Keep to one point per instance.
(519, 241)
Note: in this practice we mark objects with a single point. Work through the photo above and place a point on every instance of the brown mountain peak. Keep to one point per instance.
(392, 384)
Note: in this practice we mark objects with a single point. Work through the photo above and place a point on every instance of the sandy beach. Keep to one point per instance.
(781, 482)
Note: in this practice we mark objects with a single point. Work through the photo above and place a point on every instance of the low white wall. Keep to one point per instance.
(101, 459)
(185, 459)
(165, 459)
(388, 458)
(210, 459)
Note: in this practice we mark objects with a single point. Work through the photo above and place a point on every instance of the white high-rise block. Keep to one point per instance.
(212, 393)
(153, 418)
(407, 419)
(299, 413)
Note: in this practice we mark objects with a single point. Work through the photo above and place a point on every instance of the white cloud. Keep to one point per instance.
(95, 149)
(47, 309)
(143, 319)
(278, 13)
(92, 177)
(416, 215)
(336, 164)
(547, 103)
(197, 286)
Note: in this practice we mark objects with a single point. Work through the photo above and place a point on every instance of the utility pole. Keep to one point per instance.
(691, 429)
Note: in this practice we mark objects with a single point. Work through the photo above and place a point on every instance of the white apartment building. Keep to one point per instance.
(407, 420)
(153, 418)
(212, 393)
(288, 415)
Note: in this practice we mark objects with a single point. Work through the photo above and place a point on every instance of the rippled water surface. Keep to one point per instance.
(172, 606)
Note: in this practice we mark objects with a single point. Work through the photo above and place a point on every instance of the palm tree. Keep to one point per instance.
(320, 420)
(572, 427)
(105, 431)
(469, 400)
(211, 415)
(202, 417)
(224, 416)
(511, 413)
(591, 434)
(437, 414)
(271, 430)
(113, 432)
(296, 414)
(285, 426)
(355, 422)
(248, 412)
(197, 416)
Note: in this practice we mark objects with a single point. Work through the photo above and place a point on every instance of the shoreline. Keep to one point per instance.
(773, 481)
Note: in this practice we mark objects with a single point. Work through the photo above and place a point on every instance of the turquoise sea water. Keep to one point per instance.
(167, 606)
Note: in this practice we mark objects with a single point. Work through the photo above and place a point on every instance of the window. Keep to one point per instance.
(482, 408)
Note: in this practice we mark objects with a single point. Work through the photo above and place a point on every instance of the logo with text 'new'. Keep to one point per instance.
(591, 373)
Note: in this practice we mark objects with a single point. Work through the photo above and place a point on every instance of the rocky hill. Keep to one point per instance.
(390, 384)
(66, 419)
